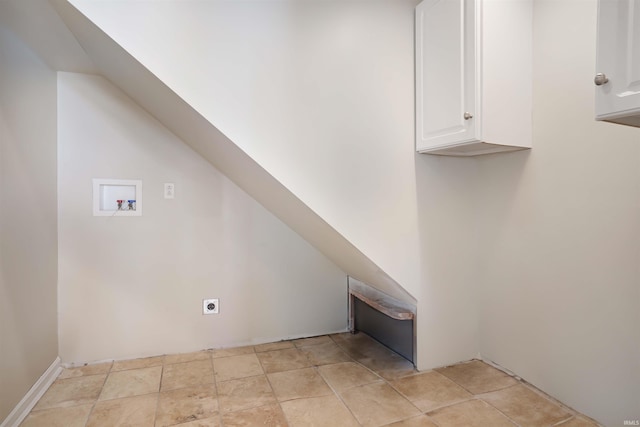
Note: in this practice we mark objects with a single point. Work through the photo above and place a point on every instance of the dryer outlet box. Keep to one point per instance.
(210, 306)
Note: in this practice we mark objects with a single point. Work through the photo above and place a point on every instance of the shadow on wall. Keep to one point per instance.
(498, 186)
(451, 214)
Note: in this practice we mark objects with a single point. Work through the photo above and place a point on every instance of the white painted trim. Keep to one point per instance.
(34, 394)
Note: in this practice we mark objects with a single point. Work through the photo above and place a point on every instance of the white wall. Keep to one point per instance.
(321, 95)
(133, 286)
(531, 257)
(448, 307)
(28, 220)
(143, 86)
(560, 235)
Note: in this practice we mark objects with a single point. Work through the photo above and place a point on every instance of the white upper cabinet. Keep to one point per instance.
(473, 76)
(617, 77)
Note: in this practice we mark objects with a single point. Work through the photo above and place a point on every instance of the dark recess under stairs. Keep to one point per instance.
(382, 318)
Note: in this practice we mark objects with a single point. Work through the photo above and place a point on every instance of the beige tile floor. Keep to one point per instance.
(338, 380)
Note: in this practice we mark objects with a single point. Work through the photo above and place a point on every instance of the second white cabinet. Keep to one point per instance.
(473, 76)
(617, 77)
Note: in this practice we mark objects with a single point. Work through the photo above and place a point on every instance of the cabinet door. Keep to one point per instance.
(618, 58)
(446, 73)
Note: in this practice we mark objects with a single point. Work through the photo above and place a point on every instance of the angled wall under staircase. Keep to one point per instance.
(308, 107)
(269, 184)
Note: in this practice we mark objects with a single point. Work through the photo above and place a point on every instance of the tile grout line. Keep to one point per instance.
(559, 423)
(550, 398)
(93, 407)
(337, 395)
(477, 396)
(389, 382)
(335, 392)
(574, 413)
(497, 409)
(215, 383)
(272, 389)
(402, 395)
(571, 413)
(380, 379)
(350, 348)
(155, 414)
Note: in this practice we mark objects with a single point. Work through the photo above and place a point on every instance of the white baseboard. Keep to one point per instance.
(34, 394)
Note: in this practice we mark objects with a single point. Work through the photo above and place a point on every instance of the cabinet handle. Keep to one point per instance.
(468, 116)
(600, 79)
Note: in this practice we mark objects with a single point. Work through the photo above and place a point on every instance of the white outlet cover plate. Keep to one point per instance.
(205, 306)
(169, 190)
